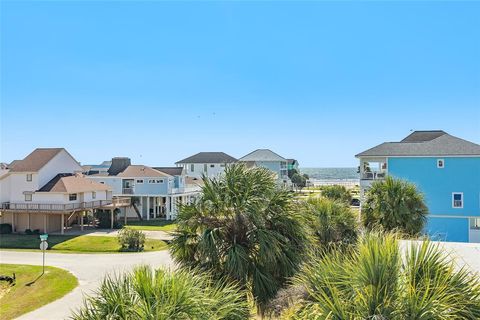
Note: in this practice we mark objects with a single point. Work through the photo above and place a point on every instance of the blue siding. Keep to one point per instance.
(151, 188)
(448, 229)
(460, 174)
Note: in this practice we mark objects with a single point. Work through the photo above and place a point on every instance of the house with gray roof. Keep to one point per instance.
(268, 159)
(445, 168)
(208, 164)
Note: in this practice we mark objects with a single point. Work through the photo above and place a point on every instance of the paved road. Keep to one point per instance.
(88, 268)
(91, 268)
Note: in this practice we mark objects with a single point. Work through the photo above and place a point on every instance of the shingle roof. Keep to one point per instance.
(141, 171)
(262, 155)
(72, 183)
(173, 171)
(425, 143)
(35, 160)
(209, 157)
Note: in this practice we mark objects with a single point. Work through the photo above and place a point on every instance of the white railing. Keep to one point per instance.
(54, 206)
(373, 175)
(127, 191)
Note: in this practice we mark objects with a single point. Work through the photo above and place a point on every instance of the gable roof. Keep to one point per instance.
(173, 171)
(141, 171)
(35, 160)
(425, 143)
(262, 155)
(72, 183)
(209, 157)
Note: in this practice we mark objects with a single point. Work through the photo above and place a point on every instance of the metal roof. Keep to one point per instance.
(209, 157)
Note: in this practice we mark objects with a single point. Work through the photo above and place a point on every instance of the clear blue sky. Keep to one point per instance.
(159, 81)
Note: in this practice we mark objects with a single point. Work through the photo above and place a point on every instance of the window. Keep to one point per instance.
(205, 167)
(139, 181)
(212, 166)
(440, 163)
(192, 167)
(28, 197)
(222, 165)
(29, 177)
(160, 181)
(475, 223)
(102, 182)
(94, 195)
(72, 197)
(457, 200)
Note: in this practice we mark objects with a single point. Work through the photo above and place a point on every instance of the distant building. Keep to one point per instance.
(47, 191)
(445, 168)
(209, 164)
(268, 159)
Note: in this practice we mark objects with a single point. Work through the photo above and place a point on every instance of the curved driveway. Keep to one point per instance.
(88, 268)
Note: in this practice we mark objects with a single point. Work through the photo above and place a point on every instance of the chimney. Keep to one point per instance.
(118, 165)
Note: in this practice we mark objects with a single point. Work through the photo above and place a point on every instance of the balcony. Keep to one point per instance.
(373, 169)
(64, 207)
(128, 191)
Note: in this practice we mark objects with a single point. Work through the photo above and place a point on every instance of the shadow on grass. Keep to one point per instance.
(33, 282)
(27, 241)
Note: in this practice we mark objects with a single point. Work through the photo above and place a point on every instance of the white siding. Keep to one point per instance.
(61, 163)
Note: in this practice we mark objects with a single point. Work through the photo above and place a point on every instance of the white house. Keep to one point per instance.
(46, 191)
(209, 164)
(154, 192)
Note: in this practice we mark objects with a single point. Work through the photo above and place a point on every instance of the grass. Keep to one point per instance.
(152, 225)
(31, 291)
(73, 244)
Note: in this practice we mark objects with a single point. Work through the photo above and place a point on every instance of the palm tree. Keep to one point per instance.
(394, 204)
(337, 192)
(333, 222)
(245, 228)
(161, 295)
(374, 282)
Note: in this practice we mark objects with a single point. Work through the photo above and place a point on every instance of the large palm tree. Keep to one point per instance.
(245, 228)
(394, 204)
(378, 280)
(164, 295)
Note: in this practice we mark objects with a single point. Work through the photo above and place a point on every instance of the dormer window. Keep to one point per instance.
(29, 177)
(440, 163)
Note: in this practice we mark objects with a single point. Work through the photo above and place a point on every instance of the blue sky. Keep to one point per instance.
(159, 81)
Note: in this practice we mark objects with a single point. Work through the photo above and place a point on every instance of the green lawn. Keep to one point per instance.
(72, 244)
(31, 290)
(152, 225)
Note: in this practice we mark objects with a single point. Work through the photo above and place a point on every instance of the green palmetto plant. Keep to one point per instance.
(379, 280)
(244, 228)
(394, 204)
(333, 222)
(161, 295)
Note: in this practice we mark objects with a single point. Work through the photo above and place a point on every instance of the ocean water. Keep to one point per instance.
(331, 173)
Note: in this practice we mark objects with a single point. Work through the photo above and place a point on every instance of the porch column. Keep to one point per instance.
(148, 208)
(29, 221)
(13, 221)
(111, 218)
(167, 208)
(81, 220)
(44, 223)
(125, 215)
(156, 206)
(63, 224)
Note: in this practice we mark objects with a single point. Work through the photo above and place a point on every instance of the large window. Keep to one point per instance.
(72, 197)
(457, 200)
(205, 167)
(192, 167)
(28, 197)
(29, 177)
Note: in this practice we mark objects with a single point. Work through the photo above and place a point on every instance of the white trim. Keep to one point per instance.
(453, 200)
(450, 216)
(440, 161)
(429, 156)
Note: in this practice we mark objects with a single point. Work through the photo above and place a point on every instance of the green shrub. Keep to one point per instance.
(104, 219)
(338, 193)
(131, 240)
(28, 231)
(5, 228)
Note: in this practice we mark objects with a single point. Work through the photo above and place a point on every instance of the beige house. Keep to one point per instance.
(47, 191)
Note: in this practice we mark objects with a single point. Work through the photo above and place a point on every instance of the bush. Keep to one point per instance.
(131, 240)
(104, 218)
(5, 228)
(335, 192)
(28, 231)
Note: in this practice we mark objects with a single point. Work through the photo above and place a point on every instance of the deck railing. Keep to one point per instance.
(63, 207)
(127, 191)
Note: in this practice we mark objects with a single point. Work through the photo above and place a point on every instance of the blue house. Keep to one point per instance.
(445, 168)
(268, 159)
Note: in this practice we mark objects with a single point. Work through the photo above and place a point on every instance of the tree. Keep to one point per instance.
(394, 204)
(243, 227)
(147, 294)
(299, 180)
(338, 193)
(373, 281)
(334, 223)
